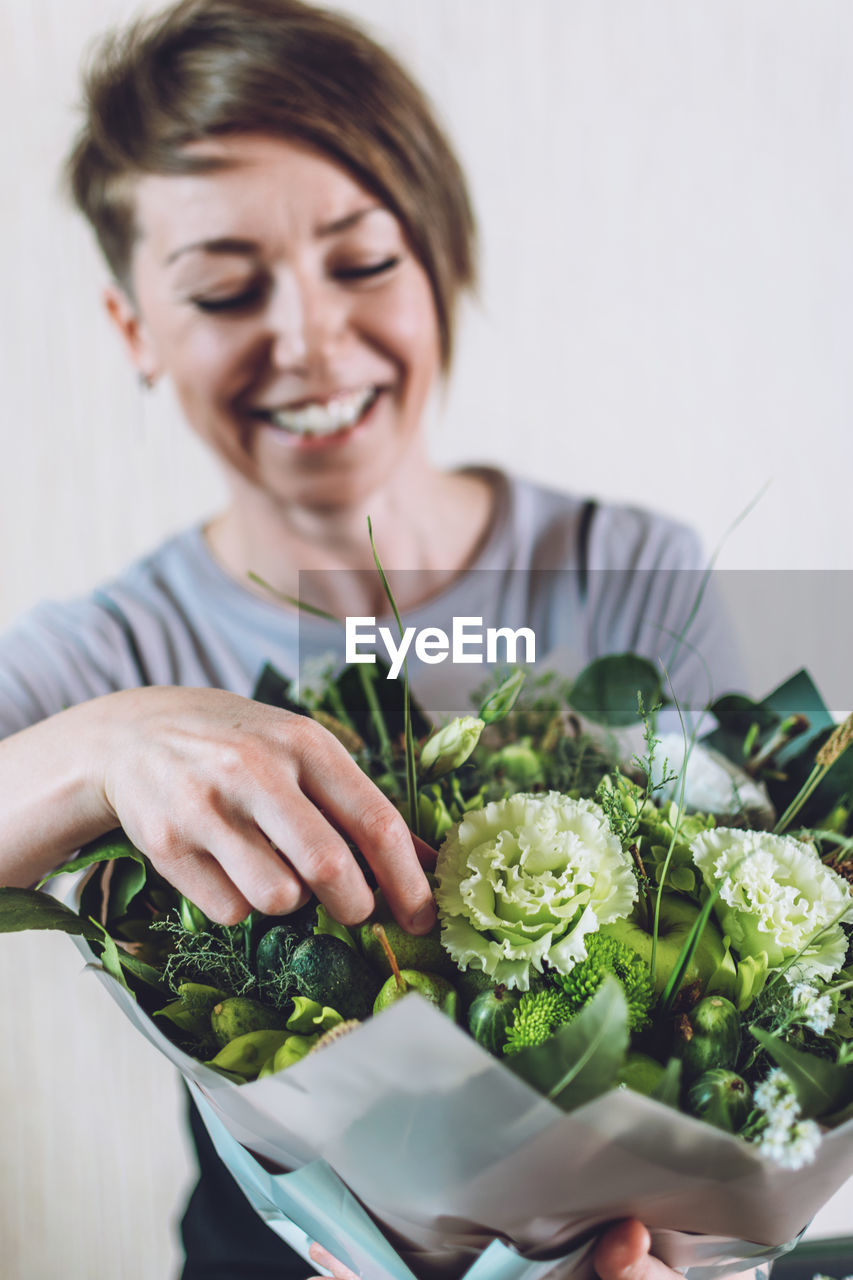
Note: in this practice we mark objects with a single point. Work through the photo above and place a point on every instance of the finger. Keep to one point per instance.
(260, 871)
(426, 854)
(332, 779)
(198, 876)
(324, 1259)
(622, 1253)
(321, 859)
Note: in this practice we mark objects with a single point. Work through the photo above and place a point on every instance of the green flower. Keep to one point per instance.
(608, 955)
(522, 881)
(777, 897)
(449, 747)
(539, 1015)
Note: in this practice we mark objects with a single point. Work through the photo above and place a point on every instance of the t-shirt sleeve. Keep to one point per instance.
(59, 655)
(660, 602)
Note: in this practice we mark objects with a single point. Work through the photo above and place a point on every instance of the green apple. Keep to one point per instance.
(429, 985)
(677, 917)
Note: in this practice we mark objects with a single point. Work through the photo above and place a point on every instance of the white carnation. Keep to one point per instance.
(523, 880)
(777, 897)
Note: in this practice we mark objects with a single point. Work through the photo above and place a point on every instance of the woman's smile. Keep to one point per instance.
(285, 304)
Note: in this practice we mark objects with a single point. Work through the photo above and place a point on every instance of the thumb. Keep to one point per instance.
(622, 1253)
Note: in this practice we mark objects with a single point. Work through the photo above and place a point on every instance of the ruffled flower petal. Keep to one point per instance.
(523, 880)
(776, 897)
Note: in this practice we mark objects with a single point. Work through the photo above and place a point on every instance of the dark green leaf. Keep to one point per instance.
(129, 876)
(111, 957)
(22, 909)
(668, 1088)
(106, 848)
(606, 691)
(274, 689)
(144, 972)
(821, 1086)
(582, 1060)
(737, 714)
(390, 695)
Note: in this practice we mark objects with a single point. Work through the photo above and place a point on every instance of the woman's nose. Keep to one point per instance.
(306, 322)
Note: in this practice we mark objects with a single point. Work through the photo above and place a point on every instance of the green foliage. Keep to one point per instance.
(584, 1057)
(607, 691)
(609, 956)
(538, 1016)
(215, 956)
(30, 909)
(821, 1086)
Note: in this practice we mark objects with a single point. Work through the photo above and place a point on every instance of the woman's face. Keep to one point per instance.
(286, 306)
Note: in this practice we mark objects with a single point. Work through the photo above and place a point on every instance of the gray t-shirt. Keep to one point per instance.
(589, 580)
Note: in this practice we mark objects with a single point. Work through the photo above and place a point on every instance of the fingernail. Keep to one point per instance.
(423, 920)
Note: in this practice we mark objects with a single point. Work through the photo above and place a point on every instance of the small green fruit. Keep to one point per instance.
(490, 1017)
(429, 985)
(423, 952)
(238, 1015)
(721, 1098)
(715, 1037)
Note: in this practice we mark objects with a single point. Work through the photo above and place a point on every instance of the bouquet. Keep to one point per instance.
(628, 1007)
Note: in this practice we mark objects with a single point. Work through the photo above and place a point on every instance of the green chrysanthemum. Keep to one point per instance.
(538, 1016)
(603, 956)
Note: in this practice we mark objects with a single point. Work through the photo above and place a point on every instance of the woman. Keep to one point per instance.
(288, 232)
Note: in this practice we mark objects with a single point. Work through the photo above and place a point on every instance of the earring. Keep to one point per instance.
(146, 380)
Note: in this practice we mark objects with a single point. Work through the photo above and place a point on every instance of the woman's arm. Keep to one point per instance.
(237, 804)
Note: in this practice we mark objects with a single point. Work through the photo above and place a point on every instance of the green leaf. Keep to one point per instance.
(144, 972)
(668, 1088)
(129, 876)
(274, 690)
(106, 848)
(326, 923)
(582, 1060)
(111, 957)
(22, 909)
(821, 1086)
(606, 691)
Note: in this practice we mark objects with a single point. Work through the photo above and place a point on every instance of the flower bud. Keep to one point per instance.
(502, 701)
(450, 747)
(192, 917)
(520, 763)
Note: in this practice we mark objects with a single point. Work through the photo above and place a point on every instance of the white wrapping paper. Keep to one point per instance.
(408, 1123)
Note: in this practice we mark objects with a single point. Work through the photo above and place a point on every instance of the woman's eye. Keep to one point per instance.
(368, 269)
(232, 302)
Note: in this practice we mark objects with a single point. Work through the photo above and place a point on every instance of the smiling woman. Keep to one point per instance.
(288, 235)
(302, 343)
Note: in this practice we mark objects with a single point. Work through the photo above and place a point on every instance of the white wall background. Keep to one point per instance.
(665, 190)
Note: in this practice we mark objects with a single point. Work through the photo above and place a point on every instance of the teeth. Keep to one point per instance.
(324, 419)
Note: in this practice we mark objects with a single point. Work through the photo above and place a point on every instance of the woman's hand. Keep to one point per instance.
(324, 1259)
(622, 1253)
(239, 805)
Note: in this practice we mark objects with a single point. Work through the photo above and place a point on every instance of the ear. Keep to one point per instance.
(125, 316)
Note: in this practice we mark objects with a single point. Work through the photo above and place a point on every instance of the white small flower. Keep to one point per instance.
(315, 674)
(785, 1138)
(802, 1144)
(812, 1009)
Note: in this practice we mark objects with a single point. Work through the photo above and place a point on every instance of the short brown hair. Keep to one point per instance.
(282, 67)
